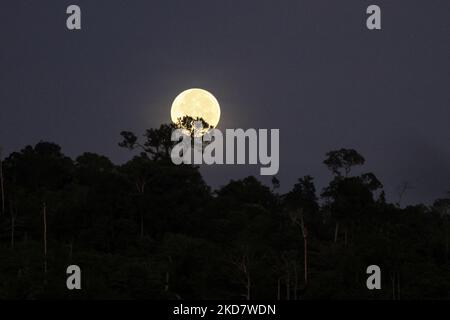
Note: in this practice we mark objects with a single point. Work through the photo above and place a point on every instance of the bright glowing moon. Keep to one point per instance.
(196, 103)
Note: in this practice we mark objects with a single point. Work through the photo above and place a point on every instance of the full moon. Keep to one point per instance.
(196, 103)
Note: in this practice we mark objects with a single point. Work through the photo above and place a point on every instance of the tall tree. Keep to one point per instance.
(349, 196)
(341, 161)
(298, 220)
(303, 210)
(140, 170)
(338, 161)
(157, 145)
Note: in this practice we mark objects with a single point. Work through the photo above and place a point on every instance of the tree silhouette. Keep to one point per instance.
(342, 161)
(148, 229)
(348, 197)
(194, 126)
(157, 144)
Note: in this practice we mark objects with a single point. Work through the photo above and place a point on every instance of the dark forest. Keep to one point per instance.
(148, 229)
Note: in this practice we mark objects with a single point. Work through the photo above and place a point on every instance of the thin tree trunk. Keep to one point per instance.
(446, 241)
(304, 231)
(12, 231)
(345, 237)
(243, 264)
(279, 289)
(140, 185)
(336, 232)
(248, 286)
(398, 287)
(305, 248)
(142, 225)
(288, 280)
(288, 287)
(71, 250)
(166, 286)
(11, 212)
(45, 237)
(306, 260)
(393, 286)
(245, 269)
(295, 281)
(2, 189)
(446, 248)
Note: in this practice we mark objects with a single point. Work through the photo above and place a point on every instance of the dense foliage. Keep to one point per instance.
(151, 230)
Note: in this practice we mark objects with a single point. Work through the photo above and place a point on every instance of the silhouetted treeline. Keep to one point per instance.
(151, 230)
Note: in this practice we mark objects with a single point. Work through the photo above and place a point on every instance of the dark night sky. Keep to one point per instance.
(310, 68)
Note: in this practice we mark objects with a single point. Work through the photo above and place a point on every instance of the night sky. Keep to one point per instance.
(309, 68)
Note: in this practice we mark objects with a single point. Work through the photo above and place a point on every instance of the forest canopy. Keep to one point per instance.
(148, 229)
